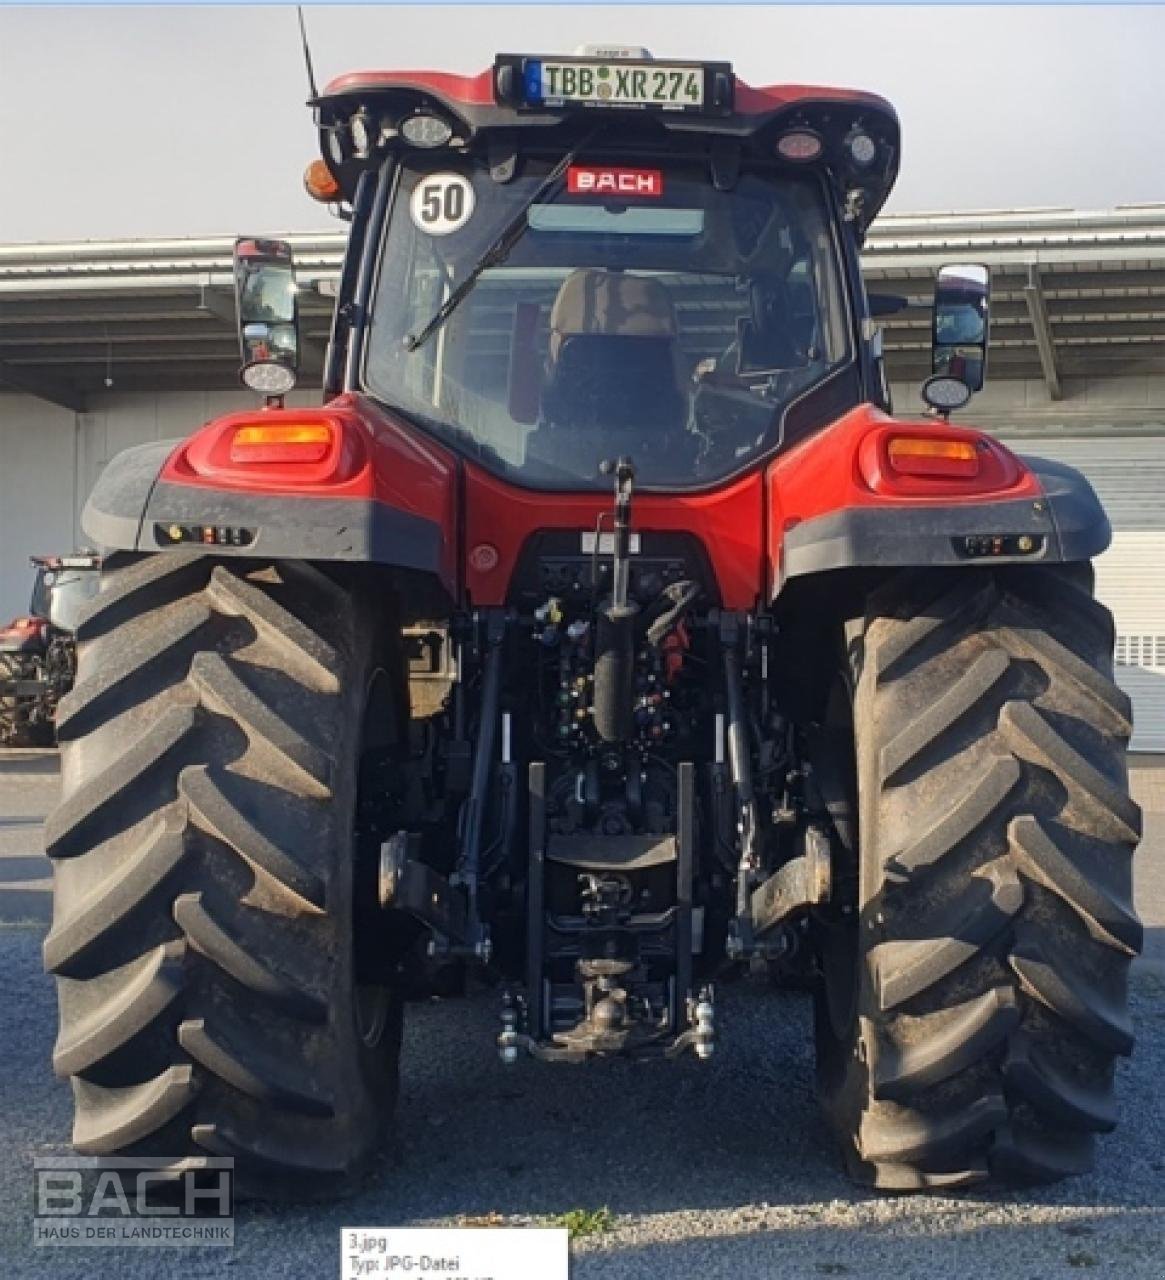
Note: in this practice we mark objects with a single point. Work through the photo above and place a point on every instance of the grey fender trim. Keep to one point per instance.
(1069, 517)
(1080, 520)
(114, 510)
(305, 528)
(129, 500)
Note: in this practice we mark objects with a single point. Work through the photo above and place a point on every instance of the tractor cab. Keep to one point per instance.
(62, 587)
(576, 259)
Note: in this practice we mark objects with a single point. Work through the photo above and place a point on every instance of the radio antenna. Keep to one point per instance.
(311, 78)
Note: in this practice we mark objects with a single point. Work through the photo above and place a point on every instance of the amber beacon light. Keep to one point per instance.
(319, 183)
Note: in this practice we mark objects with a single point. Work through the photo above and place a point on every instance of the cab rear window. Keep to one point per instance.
(652, 316)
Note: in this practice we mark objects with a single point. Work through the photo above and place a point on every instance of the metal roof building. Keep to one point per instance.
(1075, 295)
(107, 344)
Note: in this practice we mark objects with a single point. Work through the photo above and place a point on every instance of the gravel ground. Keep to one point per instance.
(722, 1170)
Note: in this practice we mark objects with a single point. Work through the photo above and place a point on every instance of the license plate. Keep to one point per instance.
(616, 84)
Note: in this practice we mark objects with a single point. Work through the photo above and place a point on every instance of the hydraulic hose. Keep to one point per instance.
(740, 766)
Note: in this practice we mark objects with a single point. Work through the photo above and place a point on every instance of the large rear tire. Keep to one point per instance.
(204, 857)
(975, 997)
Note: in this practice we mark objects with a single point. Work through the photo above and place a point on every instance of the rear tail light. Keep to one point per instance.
(919, 461)
(281, 442)
(305, 449)
(919, 456)
(799, 145)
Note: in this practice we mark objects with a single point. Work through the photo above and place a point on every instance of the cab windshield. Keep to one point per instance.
(638, 312)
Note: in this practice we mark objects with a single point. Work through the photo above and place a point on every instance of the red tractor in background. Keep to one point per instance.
(38, 655)
(606, 633)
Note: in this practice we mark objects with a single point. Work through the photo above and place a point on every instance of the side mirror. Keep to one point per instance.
(268, 314)
(961, 322)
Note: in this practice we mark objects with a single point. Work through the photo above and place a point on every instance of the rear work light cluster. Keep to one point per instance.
(369, 129)
(857, 152)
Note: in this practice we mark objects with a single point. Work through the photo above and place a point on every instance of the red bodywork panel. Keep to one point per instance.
(375, 457)
(727, 520)
(843, 467)
(472, 90)
(485, 520)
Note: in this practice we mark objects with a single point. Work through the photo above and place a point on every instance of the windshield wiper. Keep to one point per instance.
(499, 250)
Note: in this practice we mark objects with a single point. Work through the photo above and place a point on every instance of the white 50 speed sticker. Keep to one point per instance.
(442, 203)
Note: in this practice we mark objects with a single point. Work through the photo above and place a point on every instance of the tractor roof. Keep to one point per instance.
(750, 118)
(478, 91)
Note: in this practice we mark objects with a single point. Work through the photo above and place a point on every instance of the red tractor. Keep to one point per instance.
(38, 657)
(603, 632)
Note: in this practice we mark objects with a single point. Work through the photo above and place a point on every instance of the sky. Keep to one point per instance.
(154, 121)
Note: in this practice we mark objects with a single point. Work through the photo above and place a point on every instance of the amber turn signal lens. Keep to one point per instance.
(921, 456)
(282, 442)
(319, 183)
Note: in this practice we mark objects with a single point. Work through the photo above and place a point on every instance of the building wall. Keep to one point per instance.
(38, 491)
(1128, 474)
(50, 459)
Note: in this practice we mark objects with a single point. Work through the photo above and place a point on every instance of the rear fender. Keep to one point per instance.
(832, 505)
(379, 495)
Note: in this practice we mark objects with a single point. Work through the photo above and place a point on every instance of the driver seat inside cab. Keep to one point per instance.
(613, 365)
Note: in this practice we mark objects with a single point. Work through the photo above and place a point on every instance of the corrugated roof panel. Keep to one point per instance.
(1127, 473)
(1130, 579)
(1146, 688)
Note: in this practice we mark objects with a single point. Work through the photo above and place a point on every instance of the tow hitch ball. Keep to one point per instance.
(700, 1035)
